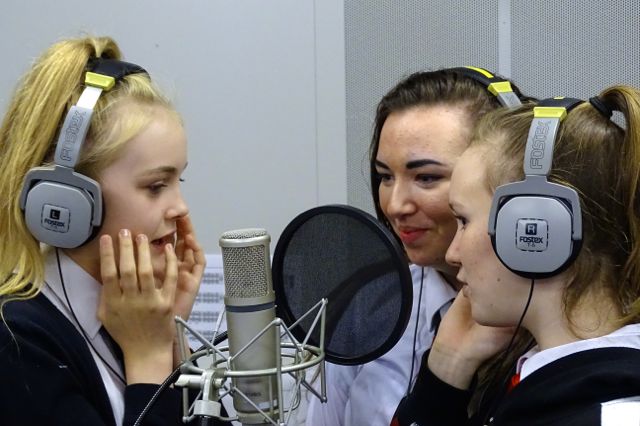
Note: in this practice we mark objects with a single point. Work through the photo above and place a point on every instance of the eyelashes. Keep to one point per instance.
(421, 179)
(462, 221)
(428, 179)
(157, 187)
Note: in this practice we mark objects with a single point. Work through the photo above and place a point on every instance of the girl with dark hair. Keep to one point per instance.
(421, 128)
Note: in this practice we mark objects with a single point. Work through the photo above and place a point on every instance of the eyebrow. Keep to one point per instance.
(162, 169)
(414, 164)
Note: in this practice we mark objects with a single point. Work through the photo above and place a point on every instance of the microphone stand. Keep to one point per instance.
(213, 382)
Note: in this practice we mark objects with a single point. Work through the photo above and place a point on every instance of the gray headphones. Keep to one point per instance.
(63, 208)
(536, 225)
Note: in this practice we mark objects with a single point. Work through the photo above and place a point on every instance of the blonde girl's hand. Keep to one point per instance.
(136, 311)
(462, 345)
(191, 264)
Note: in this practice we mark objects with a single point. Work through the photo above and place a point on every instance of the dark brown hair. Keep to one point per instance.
(429, 88)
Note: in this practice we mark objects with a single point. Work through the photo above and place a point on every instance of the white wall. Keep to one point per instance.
(259, 83)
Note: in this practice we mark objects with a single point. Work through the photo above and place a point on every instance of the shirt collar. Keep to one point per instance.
(439, 294)
(625, 337)
(82, 290)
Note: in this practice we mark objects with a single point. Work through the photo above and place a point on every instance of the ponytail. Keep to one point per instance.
(626, 100)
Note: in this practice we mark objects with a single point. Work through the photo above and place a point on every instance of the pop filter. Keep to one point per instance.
(347, 256)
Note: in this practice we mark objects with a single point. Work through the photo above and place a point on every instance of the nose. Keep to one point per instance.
(452, 256)
(400, 200)
(178, 207)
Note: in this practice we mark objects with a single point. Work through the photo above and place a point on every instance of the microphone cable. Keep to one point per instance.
(171, 379)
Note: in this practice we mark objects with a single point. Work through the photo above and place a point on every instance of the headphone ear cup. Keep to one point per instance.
(63, 208)
(533, 235)
(58, 213)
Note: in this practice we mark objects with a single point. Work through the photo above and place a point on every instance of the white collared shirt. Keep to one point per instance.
(84, 295)
(365, 395)
(625, 337)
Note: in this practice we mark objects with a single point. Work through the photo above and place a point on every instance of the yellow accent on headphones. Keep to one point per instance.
(550, 112)
(481, 71)
(102, 81)
(500, 87)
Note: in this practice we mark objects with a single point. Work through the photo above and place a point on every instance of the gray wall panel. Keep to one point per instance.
(571, 48)
(548, 47)
(385, 41)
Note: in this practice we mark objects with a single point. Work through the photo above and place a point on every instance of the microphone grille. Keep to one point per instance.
(241, 234)
(245, 258)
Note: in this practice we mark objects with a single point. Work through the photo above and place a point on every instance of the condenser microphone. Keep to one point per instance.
(250, 308)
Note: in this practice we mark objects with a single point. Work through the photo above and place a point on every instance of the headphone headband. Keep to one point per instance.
(101, 76)
(601, 106)
(114, 68)
(497, 86)
(547, 117)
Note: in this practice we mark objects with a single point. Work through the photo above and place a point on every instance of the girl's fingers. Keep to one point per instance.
(184, 225)
(108, 270)
(128, 274)
(180, 241)
(198, 271)
(184, 228)
(144, 268)
(198, 253)
(197, 257)
(193, 255)
(170, 273)
(180, 248)
(188, 259)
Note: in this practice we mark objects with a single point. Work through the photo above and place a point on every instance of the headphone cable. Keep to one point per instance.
(84, 334)
(415, 333)
(496, 400)
(163, 386)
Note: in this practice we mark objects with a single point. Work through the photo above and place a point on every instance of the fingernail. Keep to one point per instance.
(141, 238)
(169, 246)
(124, 233)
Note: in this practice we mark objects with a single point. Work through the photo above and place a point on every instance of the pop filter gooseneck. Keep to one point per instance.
(346, 255)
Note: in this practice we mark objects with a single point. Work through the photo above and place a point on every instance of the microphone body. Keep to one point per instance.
(250, 307)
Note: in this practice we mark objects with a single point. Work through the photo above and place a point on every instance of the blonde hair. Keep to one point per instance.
(609, 262)
(29, 132)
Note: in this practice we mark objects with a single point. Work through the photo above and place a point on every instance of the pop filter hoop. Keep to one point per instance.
(347, 256)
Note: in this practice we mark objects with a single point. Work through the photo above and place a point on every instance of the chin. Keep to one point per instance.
(419, 257)
(483, 321)
(428, 256)
(491, 320)
(487, 322)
